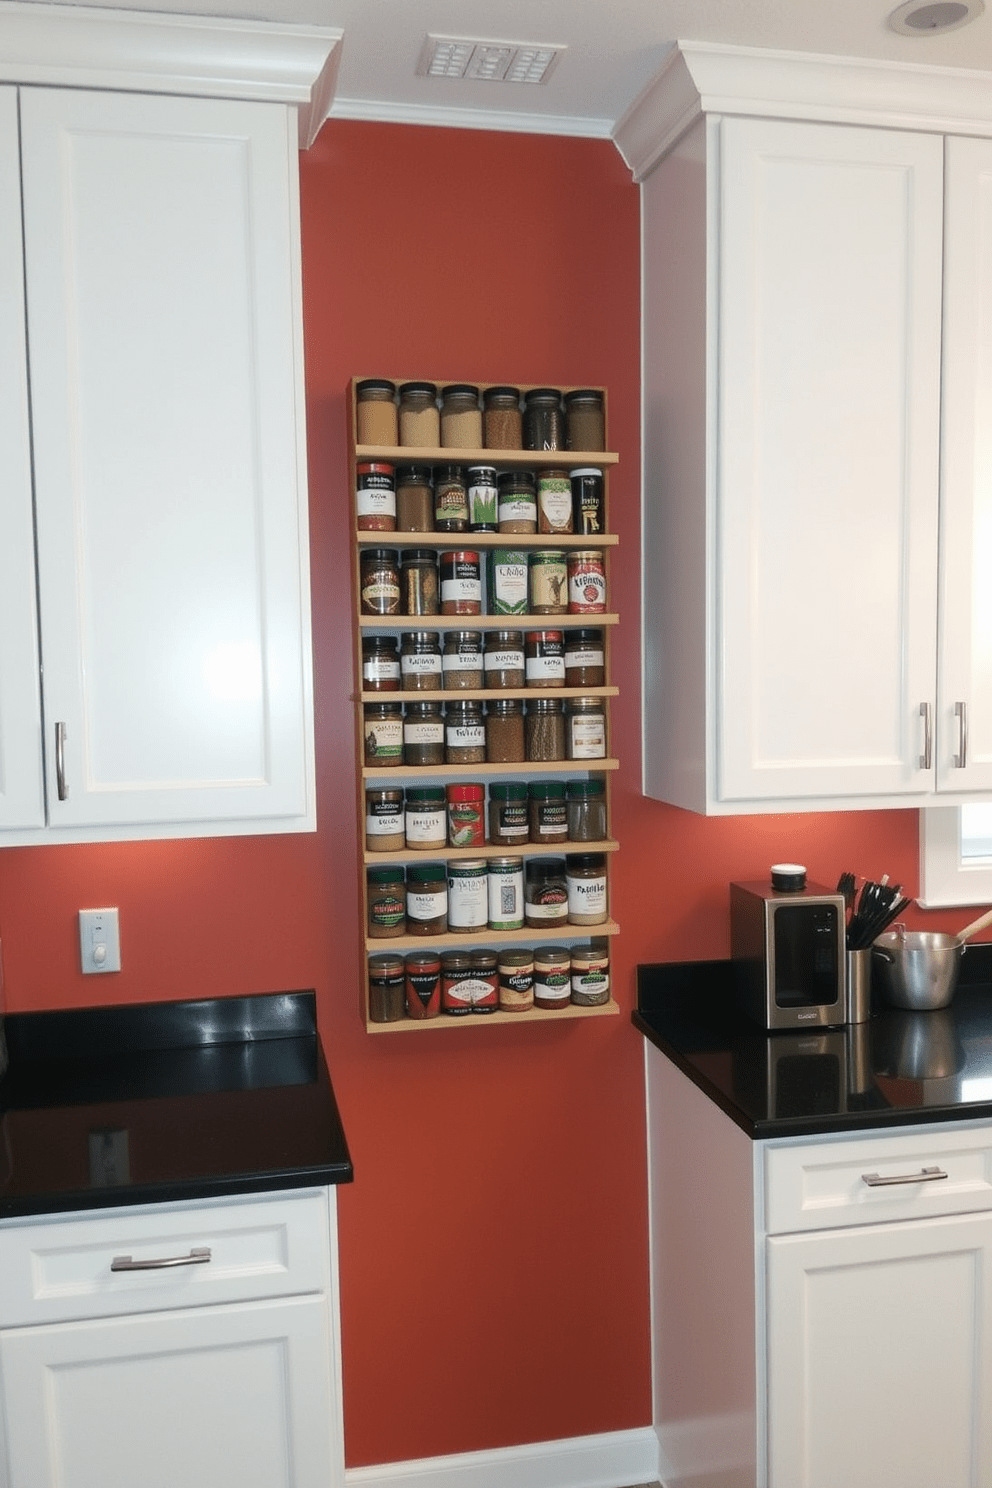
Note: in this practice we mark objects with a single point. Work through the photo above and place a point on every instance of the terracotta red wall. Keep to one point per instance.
(493, 1246)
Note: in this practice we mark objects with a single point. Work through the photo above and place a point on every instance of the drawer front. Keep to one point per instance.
(868, 1180)
(84, 1266)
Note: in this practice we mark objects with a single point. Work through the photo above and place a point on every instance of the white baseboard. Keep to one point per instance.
(614, 1459)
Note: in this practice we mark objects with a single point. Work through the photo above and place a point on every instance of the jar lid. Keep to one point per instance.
(579, 789)
(547, 790)
(582, 636)
(429, 388)
(500, 706)
(460, 555)
(557, 955)
(508, 791)
(380, 555)
(543, 395)
(467, 868)
(499, 638)
(425, 795)
(466, 792)
(378, 643)
(587, 470)
(425, 872)
(419, 637)
(464, 706)
(413, 472)
(423, 706)
(583, 395)
(483, 960)
(548, 555)
(480, 471)
(384, 793)
(545, 868)
(459, 390)
(506, 863)
(594, 950)
(516, 958)
(502, 392)
(375, 467)
(464, 637)
(384, 875)
(584, 860)
(584, 704)
(419, 555)
(516, 477)
(455, 961)
(375, 385)
(543, 637)
(423, 960)
(383, 710)
(545, 705)
(448, 473)
(385, 966)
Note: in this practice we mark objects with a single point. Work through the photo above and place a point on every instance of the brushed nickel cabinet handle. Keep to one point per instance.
(925, 1175)
(197, 1257)
(961, 713)
(926, 758)
(60, 760)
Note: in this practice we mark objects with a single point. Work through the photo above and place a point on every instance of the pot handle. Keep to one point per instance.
(883, 954)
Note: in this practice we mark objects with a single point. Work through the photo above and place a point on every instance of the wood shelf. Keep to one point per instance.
(490, 939)
(475, 1020)
(525, 850)
(486, 622)
(482, 694)
(444, 540)
(411, 454)
(406, 774)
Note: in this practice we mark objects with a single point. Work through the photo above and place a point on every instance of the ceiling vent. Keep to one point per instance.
(488, 61)
(928, 17)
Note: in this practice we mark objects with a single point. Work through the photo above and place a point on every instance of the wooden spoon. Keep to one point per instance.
(975, 926)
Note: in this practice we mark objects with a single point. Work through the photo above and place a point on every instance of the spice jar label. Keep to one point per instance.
(425, 906)
(423, 733)
(545, 669)
(588, 736)
(586, 586)
(466, 736)
(464, 587)
(384, 820)
(586, 896)
(507, 580)
(462, 661)
(585, 657)
(504, 661)
(377, 669)
(425, 826)
(421, 663)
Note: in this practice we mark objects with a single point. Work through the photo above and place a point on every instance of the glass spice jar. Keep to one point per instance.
(554, 501)
(585, 419)
(464, 734)
(516, 980)
(387, 983)
(552, 980)
(457, 983)
(547, 582)
(586, 582)
(379, 584)
(588, 511)
(386, 902)
(585, 876)
(506, 893)
(426, 899)
(375, 412)
(545, 730)
(501, 419)
(461, 582)
(544, 658)
(482, 498)
(546, 811)
(423, 734)
(585, 659)
(503, 661)
(420, 661)
(425, 821)
(380, 664)
(466, 815)
(543, 420)
(419, 591)
(450, 499)
(461, 417)
(383, 819)
(382, 734)
(423, 984)
(509, 822)
(468, 894)
(375, 497)
(545, 894)
(590, 973)
(461, 661)
(484, 982)
(414, 499)
(506, 581)
(517, 504)
(505, 732)
(419, 419)
(585, 810)
(585, 728)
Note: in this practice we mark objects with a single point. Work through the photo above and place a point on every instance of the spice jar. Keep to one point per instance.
(546, 811)
(375, 412)
(588, 512)
(484, 982)
(457, 983)
(548, 582)
(506, 573)
(585, 419)
(585, 660)
(517, 506)
(466, 815)
(468, 896)
(545, 730)
(554, 501)
(544, 658)
(462, 660)
(516, 981)
(461, 417)
(586, 582)
(482, 498)
(505, 732)
(426, 899)
(552, 982)
(423, 984)
(375, 497)
(382, 734)
(464, 734)
(590, 973)
(383, 819)
(423, 735)
(461, 583)
(420, 422)
(425, 818)
(387, 983)
(419, 582)
(420, 661)
(585, 810)
(386, 900)
(545, 893)
(450, 499)
(509, 823)
(506, 893)
(379, 582)
(414, 499)
(585, 875)
(585, 728)
(543, 420)
(503, 662)
(501, 421)
(380, 664)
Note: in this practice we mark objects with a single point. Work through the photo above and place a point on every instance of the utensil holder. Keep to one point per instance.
(859, 985)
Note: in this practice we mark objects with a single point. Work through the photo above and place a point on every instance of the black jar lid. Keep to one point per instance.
(583, 395)
(375, 385)
(543, 869)
(585, 860)
(448, 473)
(516, 478)
(581, 636)
(543, 395)
(419, 637)
(426, 872)
(501, 392)
(460, 389)
(380, 555)
(384, 875)
(419, 555)
(378, 643)
(429, 388)
(413, 472)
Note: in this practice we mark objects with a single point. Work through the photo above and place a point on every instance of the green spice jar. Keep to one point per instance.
(548, 581)
(450, 499)
(517, 508)
(509, 823)
(590, 973)
(506, 893)
(552, 980)
(546, 811)
(468, 896)
(386, 898)
(426, 822)
(482, 498)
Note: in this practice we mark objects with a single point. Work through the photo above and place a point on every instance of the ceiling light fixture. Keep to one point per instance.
(928, 17)
(487, 61)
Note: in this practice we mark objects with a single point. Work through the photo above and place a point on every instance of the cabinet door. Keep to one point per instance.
(965, 672)
(21, 786)
(880, 1356)
(826, 528)
(163, 317)
(213, 1397)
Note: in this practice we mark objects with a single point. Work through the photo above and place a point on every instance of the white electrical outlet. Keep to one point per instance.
(99, 940)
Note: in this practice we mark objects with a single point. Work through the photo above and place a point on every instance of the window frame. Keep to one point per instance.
(945, 879)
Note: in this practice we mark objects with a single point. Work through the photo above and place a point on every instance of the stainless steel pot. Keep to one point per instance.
(918, 969)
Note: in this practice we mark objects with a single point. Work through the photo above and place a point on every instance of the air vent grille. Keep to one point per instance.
(487, 61)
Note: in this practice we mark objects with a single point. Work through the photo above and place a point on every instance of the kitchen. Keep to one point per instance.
(494, 1245)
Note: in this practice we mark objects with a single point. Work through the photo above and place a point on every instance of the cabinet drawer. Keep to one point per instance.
(825, 1185)
(60, 1269)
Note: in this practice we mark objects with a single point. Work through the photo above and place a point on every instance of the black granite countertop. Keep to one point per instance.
(898, 1068)
(166, 1102)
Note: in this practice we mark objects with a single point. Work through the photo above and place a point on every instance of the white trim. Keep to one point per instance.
(82, 46)
(377, 111)
(612, 1459)
(944, 878)
(705, 1446)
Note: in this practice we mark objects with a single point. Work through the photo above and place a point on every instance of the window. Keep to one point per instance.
(956, 855)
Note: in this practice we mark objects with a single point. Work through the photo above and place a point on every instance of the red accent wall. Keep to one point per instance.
(493, 1245)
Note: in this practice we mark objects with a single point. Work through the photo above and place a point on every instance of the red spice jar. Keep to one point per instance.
(375, 497)
(423, 984)
(461, 583)
(466, 816)
(586, 582)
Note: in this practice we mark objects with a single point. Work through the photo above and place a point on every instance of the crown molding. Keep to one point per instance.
(498, 120)
(150, 52)
(705, 78)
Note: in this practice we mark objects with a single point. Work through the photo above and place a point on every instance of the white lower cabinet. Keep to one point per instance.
(210, 1373)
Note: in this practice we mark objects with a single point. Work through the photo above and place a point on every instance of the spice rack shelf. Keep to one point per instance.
(393, 776)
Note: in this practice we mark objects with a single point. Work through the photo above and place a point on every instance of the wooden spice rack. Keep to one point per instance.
(406, 776)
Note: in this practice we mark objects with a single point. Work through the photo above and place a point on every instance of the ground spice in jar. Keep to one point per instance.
(506, 893)
(588, 511)
(420, 661)
(387, 985)
(425, 822)
(386, 901)
(554, 501)
(423, 984)
(552, 982)
(482, 498)
(543, 420)
(517, 508)
(382, 734)
(419, 419)
(585, 810)
(419, 590)
(544, 658)
(484, 982)
(468, 898)
(502, 425)
(375, 498)
(546, 811)
(462, 660)
(466, 815)
(414, 499)
(426, 899)
(450, 499)
(585, 875)
(375, 412)
(423, 735)
(464, 734)
(585, 419)
(545, 894)
(547, 580)
(585, 659)
(461, 417)
(545, 730)
(379, 582)
(503, 662)
(516, 981)
(380, 664)
(461, 583)
(457, 983)
(586, 582)
(505, 732)
(509, 822)
(585, 728)
(590, 973)
(383, 819)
